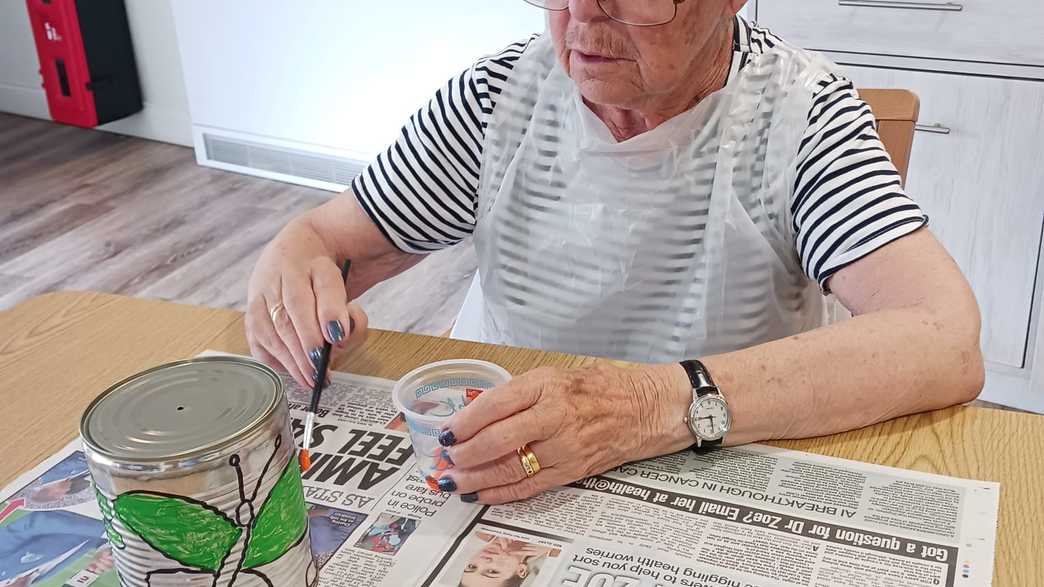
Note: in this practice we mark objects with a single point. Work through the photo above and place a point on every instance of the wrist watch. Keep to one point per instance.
(709, 417)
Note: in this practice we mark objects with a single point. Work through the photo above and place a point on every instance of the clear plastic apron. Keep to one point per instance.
(674, 244)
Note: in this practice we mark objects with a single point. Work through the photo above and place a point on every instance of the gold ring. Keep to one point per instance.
(530, 464)
(273, 313)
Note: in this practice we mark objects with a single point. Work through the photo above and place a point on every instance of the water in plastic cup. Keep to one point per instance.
(429, 395)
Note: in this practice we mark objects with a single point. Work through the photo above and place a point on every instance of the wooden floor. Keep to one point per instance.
(90, 210)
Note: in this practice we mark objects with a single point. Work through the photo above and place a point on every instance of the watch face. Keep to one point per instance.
(710, 417)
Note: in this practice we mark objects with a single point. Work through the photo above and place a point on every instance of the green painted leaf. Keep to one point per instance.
(282, 521)
(106, 510)
(103, 504)
(188, 532)
(114, 537)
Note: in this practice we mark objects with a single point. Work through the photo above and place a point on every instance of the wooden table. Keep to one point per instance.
(59, 351)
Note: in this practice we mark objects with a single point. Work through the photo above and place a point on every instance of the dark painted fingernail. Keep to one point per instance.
(447, 484)
(446, 438)
(315, 355)
(469, 497)
(336, 331)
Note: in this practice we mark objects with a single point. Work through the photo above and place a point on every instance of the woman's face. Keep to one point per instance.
(627, 66)
(491, 566)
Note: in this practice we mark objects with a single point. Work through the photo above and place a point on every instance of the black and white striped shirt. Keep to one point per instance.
(847, 199)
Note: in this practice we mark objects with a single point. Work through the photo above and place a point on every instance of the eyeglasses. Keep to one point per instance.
(630, 12)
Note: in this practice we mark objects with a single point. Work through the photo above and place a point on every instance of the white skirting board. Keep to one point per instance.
(153, 122)
(24, 101)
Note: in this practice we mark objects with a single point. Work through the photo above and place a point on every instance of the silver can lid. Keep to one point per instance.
(181, 410)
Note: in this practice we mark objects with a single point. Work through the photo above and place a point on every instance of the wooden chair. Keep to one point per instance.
(896, 112)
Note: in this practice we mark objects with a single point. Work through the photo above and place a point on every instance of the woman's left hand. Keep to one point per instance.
(578, 423)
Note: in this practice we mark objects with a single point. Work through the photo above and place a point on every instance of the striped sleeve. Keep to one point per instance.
(422, 192)
(848, 197)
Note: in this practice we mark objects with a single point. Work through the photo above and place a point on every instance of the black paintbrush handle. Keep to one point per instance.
(324, 358)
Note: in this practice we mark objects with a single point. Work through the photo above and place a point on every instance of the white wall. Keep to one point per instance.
(20, 82)
(165, 116)
(333, 76)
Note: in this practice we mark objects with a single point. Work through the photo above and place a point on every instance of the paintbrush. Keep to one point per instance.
(317, 389)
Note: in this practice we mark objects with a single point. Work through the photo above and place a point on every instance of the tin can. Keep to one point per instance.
(195, 473)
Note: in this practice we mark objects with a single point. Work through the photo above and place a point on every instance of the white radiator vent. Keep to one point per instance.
(281, 160)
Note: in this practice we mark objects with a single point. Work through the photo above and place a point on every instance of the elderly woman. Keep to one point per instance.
(656, 181)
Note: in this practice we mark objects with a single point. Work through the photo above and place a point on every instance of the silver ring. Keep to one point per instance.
(273, 313)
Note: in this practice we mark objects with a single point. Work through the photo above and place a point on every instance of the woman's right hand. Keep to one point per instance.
(297, 300)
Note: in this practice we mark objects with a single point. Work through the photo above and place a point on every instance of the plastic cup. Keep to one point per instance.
(429, 395)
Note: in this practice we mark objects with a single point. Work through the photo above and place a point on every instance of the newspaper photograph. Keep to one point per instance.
(751, 516)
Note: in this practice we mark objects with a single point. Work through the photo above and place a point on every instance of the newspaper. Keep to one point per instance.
(752, 516)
